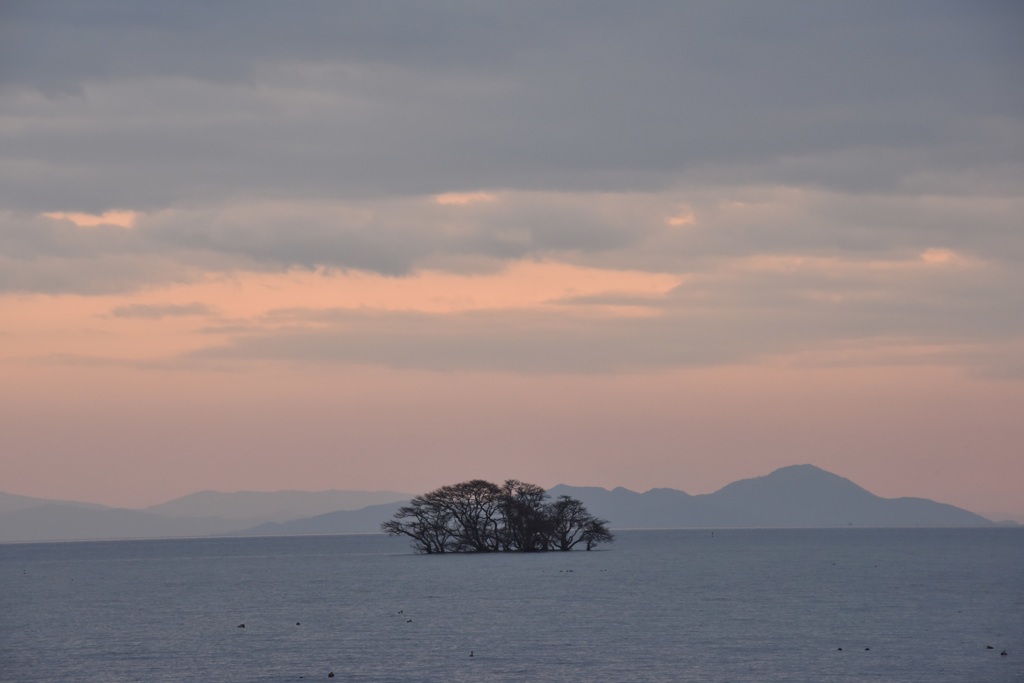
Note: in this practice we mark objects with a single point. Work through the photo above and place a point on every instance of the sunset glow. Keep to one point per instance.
(393, 249)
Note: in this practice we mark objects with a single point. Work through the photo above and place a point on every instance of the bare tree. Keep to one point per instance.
(478, 516)
(569, 524)
(526, 524)
(596, 531)
(475, 507)
(427, 524)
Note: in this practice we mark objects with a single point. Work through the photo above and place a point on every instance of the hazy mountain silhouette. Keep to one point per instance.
(63, 522)
(23, 518)
(10, 502)
(796, 496)
(364, 521)
(272, 506)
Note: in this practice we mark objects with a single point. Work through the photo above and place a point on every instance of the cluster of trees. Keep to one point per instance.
(479, 516)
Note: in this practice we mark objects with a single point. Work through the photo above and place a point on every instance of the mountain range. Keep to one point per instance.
(794, 497)
(206, 513)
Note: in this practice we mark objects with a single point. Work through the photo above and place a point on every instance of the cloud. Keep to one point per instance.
(40, 254)
(461, 198)
(389, 236)
(124, 219)
(810, 173)
(354, 101)
(395, 236)
(157, 311)
(795, 310)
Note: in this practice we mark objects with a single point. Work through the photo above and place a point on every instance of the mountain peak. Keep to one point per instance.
(805, 470)
(787, 484)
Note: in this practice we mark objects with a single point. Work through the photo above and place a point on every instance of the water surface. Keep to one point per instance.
(733, 605)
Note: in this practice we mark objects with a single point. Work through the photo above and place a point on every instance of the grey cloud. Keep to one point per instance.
(393, 237)
(396, 237)
(390, 237)
(292, 236)
(225, 41)
(157, 311)
(29, 237)
(735, 222)
(89, 276)
(39, 254)
(362, 99)
(929, 305)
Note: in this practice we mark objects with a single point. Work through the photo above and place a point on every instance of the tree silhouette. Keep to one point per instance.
(479, 516)
(526, 525)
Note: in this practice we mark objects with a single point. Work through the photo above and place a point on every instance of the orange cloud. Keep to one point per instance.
(122, 219)
(683, 217)
(941, 257)
(523, 284)
(156, 327)
(461, 198)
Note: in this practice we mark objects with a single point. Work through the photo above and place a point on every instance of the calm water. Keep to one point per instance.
(655, 606)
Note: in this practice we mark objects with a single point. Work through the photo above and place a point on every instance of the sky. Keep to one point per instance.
(262, 245)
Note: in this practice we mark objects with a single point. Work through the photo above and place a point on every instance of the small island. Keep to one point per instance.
(479, 516)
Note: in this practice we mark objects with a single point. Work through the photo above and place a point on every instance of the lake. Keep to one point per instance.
(729, 605)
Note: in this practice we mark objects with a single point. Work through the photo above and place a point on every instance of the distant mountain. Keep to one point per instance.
(23, 518)
(272, 506)
(10, 502)
(365, 521)
(625, 509)
(63, 522)
(796, 496)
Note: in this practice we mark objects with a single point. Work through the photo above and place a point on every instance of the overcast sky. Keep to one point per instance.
(254, 245)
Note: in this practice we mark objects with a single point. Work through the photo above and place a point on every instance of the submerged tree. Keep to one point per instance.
(478, 516)
(429, 526)
(569, 522)
(526, 525)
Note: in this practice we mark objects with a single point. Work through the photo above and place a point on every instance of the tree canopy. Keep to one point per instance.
(480, 516)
